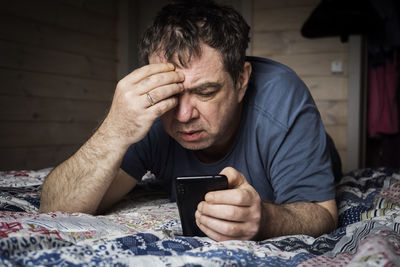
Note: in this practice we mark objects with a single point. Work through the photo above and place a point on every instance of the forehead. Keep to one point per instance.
(208, 66)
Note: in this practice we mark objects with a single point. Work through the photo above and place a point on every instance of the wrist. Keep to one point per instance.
(267, 215)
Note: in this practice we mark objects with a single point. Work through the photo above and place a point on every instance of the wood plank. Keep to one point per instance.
(35, 33)
(333, 112)
(34, 158)
(31, 134)
(43, 60)
(62, 15)
(292, 42)
(280, 19)
(259, 4)
(80, 20)
(17, 108)
(339, 135)
(332, 87)
(312, 64)
(22, 83)
(103, 7)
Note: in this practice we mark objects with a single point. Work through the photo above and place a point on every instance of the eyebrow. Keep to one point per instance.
(205, 86)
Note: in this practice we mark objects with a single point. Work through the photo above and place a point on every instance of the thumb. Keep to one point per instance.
(235, 178)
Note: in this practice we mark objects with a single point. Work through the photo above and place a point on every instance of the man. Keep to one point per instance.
(194, 109)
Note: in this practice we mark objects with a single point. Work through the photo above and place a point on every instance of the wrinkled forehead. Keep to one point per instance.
(208, 67)
(180, 61)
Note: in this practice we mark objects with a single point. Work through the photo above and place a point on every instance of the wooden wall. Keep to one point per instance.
(58, 63)
(276, 35)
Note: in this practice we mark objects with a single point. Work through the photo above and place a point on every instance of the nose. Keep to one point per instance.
(186, 111)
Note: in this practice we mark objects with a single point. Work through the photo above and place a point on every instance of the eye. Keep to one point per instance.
(206, 94)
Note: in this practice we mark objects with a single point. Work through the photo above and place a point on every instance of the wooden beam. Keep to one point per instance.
(354, 133)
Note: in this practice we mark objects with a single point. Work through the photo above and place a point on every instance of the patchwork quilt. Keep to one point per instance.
(144, 230)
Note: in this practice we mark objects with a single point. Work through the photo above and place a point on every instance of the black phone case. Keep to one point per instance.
(190, 191)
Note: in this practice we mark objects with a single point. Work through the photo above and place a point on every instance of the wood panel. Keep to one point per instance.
(312, 64)
(28, 32)
(339, 135)
(333, 112)
(17, 108)
(58, 75)
(36, 134)
(259, 4)
(103, 7)
(280, 19)
(36, 59)
(292, 42)
(23, 83)
(66, 16)
(34, 157)
(332, 87)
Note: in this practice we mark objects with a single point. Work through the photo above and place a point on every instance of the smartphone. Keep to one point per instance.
(190, 191)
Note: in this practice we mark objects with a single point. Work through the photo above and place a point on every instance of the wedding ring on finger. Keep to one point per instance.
(151, 100)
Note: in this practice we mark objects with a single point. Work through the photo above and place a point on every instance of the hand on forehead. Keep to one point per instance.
(204, 69)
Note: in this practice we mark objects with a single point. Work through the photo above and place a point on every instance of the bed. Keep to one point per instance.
(144, 230)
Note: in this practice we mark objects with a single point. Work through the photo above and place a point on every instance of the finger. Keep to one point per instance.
(237, 197)
(163, 106)
(148, 70)
(160, 79)
(235, 178)
(161, 93)
(212, 234)
(225, 228)
(225, 212)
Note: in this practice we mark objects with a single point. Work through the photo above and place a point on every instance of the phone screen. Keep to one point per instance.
(190, 191)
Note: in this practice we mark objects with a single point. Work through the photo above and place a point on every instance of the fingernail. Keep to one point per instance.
(209, 197)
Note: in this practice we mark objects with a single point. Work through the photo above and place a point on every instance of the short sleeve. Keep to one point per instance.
(301, 169)
(147, 154)
(137, 158)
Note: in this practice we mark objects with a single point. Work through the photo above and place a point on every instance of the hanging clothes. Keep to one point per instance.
(383, 82)
(378, 21)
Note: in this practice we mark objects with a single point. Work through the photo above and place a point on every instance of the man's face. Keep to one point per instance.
(208, 112)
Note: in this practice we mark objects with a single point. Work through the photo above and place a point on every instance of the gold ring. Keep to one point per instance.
(151, 100)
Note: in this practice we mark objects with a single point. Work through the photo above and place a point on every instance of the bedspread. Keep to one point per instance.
(144, 230)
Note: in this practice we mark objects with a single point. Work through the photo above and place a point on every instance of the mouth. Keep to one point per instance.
(190, 136)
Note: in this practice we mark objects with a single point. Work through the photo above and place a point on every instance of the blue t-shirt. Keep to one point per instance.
(280, 146)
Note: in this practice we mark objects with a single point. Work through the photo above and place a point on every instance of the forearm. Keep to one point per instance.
(295, 218)
(79, 183)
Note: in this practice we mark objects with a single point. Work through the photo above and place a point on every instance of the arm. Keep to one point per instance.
(239, 213)
(119, 187)
(309, 218)
(80, 183)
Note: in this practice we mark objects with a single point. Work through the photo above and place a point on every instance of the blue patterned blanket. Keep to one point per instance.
(144, 230)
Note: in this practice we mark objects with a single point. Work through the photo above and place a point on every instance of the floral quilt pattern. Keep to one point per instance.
(144, 230)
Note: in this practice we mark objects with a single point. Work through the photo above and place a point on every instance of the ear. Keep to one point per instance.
(243, 81)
